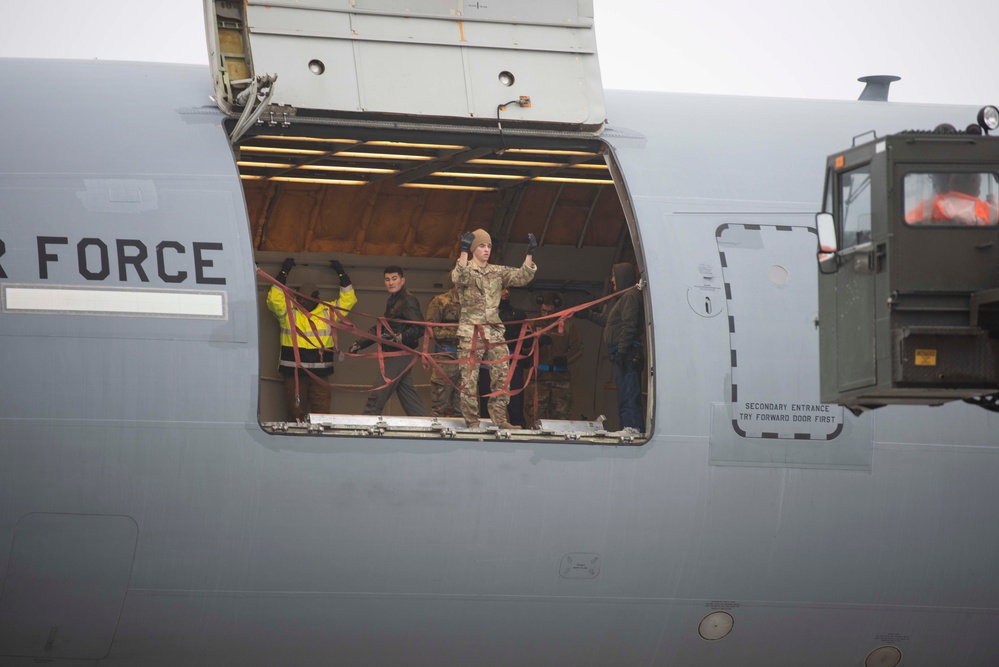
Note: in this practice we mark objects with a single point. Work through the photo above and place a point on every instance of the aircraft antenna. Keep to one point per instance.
(876, 89)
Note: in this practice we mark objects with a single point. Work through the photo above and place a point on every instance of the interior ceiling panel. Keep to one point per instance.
(376, 196)
(350, 161)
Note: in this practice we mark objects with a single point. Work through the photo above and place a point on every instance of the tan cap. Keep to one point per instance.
(481, 236)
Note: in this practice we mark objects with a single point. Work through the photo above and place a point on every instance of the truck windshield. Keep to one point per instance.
(961, 199)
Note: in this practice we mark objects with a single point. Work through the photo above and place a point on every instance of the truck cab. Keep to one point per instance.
(909, 269)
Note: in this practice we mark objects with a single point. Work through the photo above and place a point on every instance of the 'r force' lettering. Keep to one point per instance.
(93, 259)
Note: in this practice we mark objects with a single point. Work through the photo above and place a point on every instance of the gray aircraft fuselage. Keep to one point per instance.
(146, 518)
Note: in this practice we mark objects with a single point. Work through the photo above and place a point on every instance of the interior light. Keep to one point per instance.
(275, 165)
(403, 144)
(589, 166)
(517, 163)
(988, 118)
(385, 156)
(566, 179)
(328, 181)
(540, 151)
(277, 149)
(466, 174)
(445, 186)
(358, 170)
(268, 137)
(251, 177)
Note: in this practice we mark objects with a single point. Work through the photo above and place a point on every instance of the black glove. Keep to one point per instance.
(544, 339)
(282, 276)
(560, 362)
(532, 244)
(341, 274)
(466, 242)
(583, 314)
(355, 347)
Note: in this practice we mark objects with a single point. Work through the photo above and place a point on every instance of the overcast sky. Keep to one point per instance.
(944, 51)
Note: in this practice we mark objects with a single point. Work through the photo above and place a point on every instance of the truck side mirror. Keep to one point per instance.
(826, 227)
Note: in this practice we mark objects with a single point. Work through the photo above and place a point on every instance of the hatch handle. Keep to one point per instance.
(880, 253)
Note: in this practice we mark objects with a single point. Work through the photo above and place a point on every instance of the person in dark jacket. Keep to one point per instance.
(624, 322)
(401, 305)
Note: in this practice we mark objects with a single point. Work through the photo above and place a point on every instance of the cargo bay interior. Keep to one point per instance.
(376, 198)
(377, 132)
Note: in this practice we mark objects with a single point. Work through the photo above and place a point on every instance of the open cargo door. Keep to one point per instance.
(376, 132)
(516, 62)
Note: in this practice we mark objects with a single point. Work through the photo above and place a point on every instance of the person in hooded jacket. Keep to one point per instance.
(623, 320)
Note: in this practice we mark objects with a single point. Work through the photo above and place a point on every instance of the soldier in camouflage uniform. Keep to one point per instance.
(555, 352)
(479, 286)
(444, 393)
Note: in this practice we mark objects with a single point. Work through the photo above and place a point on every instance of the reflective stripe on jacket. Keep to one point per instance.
(315, 334)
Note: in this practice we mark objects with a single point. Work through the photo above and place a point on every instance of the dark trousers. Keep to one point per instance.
(629, 397)
(314, 397)
(402, 385)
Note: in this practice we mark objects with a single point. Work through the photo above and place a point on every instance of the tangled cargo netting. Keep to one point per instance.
(521, 348)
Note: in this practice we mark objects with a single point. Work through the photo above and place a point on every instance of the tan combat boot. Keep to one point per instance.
(501, 420)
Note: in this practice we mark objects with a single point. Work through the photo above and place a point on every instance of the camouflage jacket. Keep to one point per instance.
(554, 344)
(443, 308)
(479, 291)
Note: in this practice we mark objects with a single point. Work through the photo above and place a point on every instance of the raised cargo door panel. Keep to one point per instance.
(525, 63)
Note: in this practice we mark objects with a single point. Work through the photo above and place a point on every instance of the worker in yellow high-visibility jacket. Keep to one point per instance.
(314, 336)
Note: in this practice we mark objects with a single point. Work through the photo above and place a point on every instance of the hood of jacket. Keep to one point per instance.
(624, 275)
